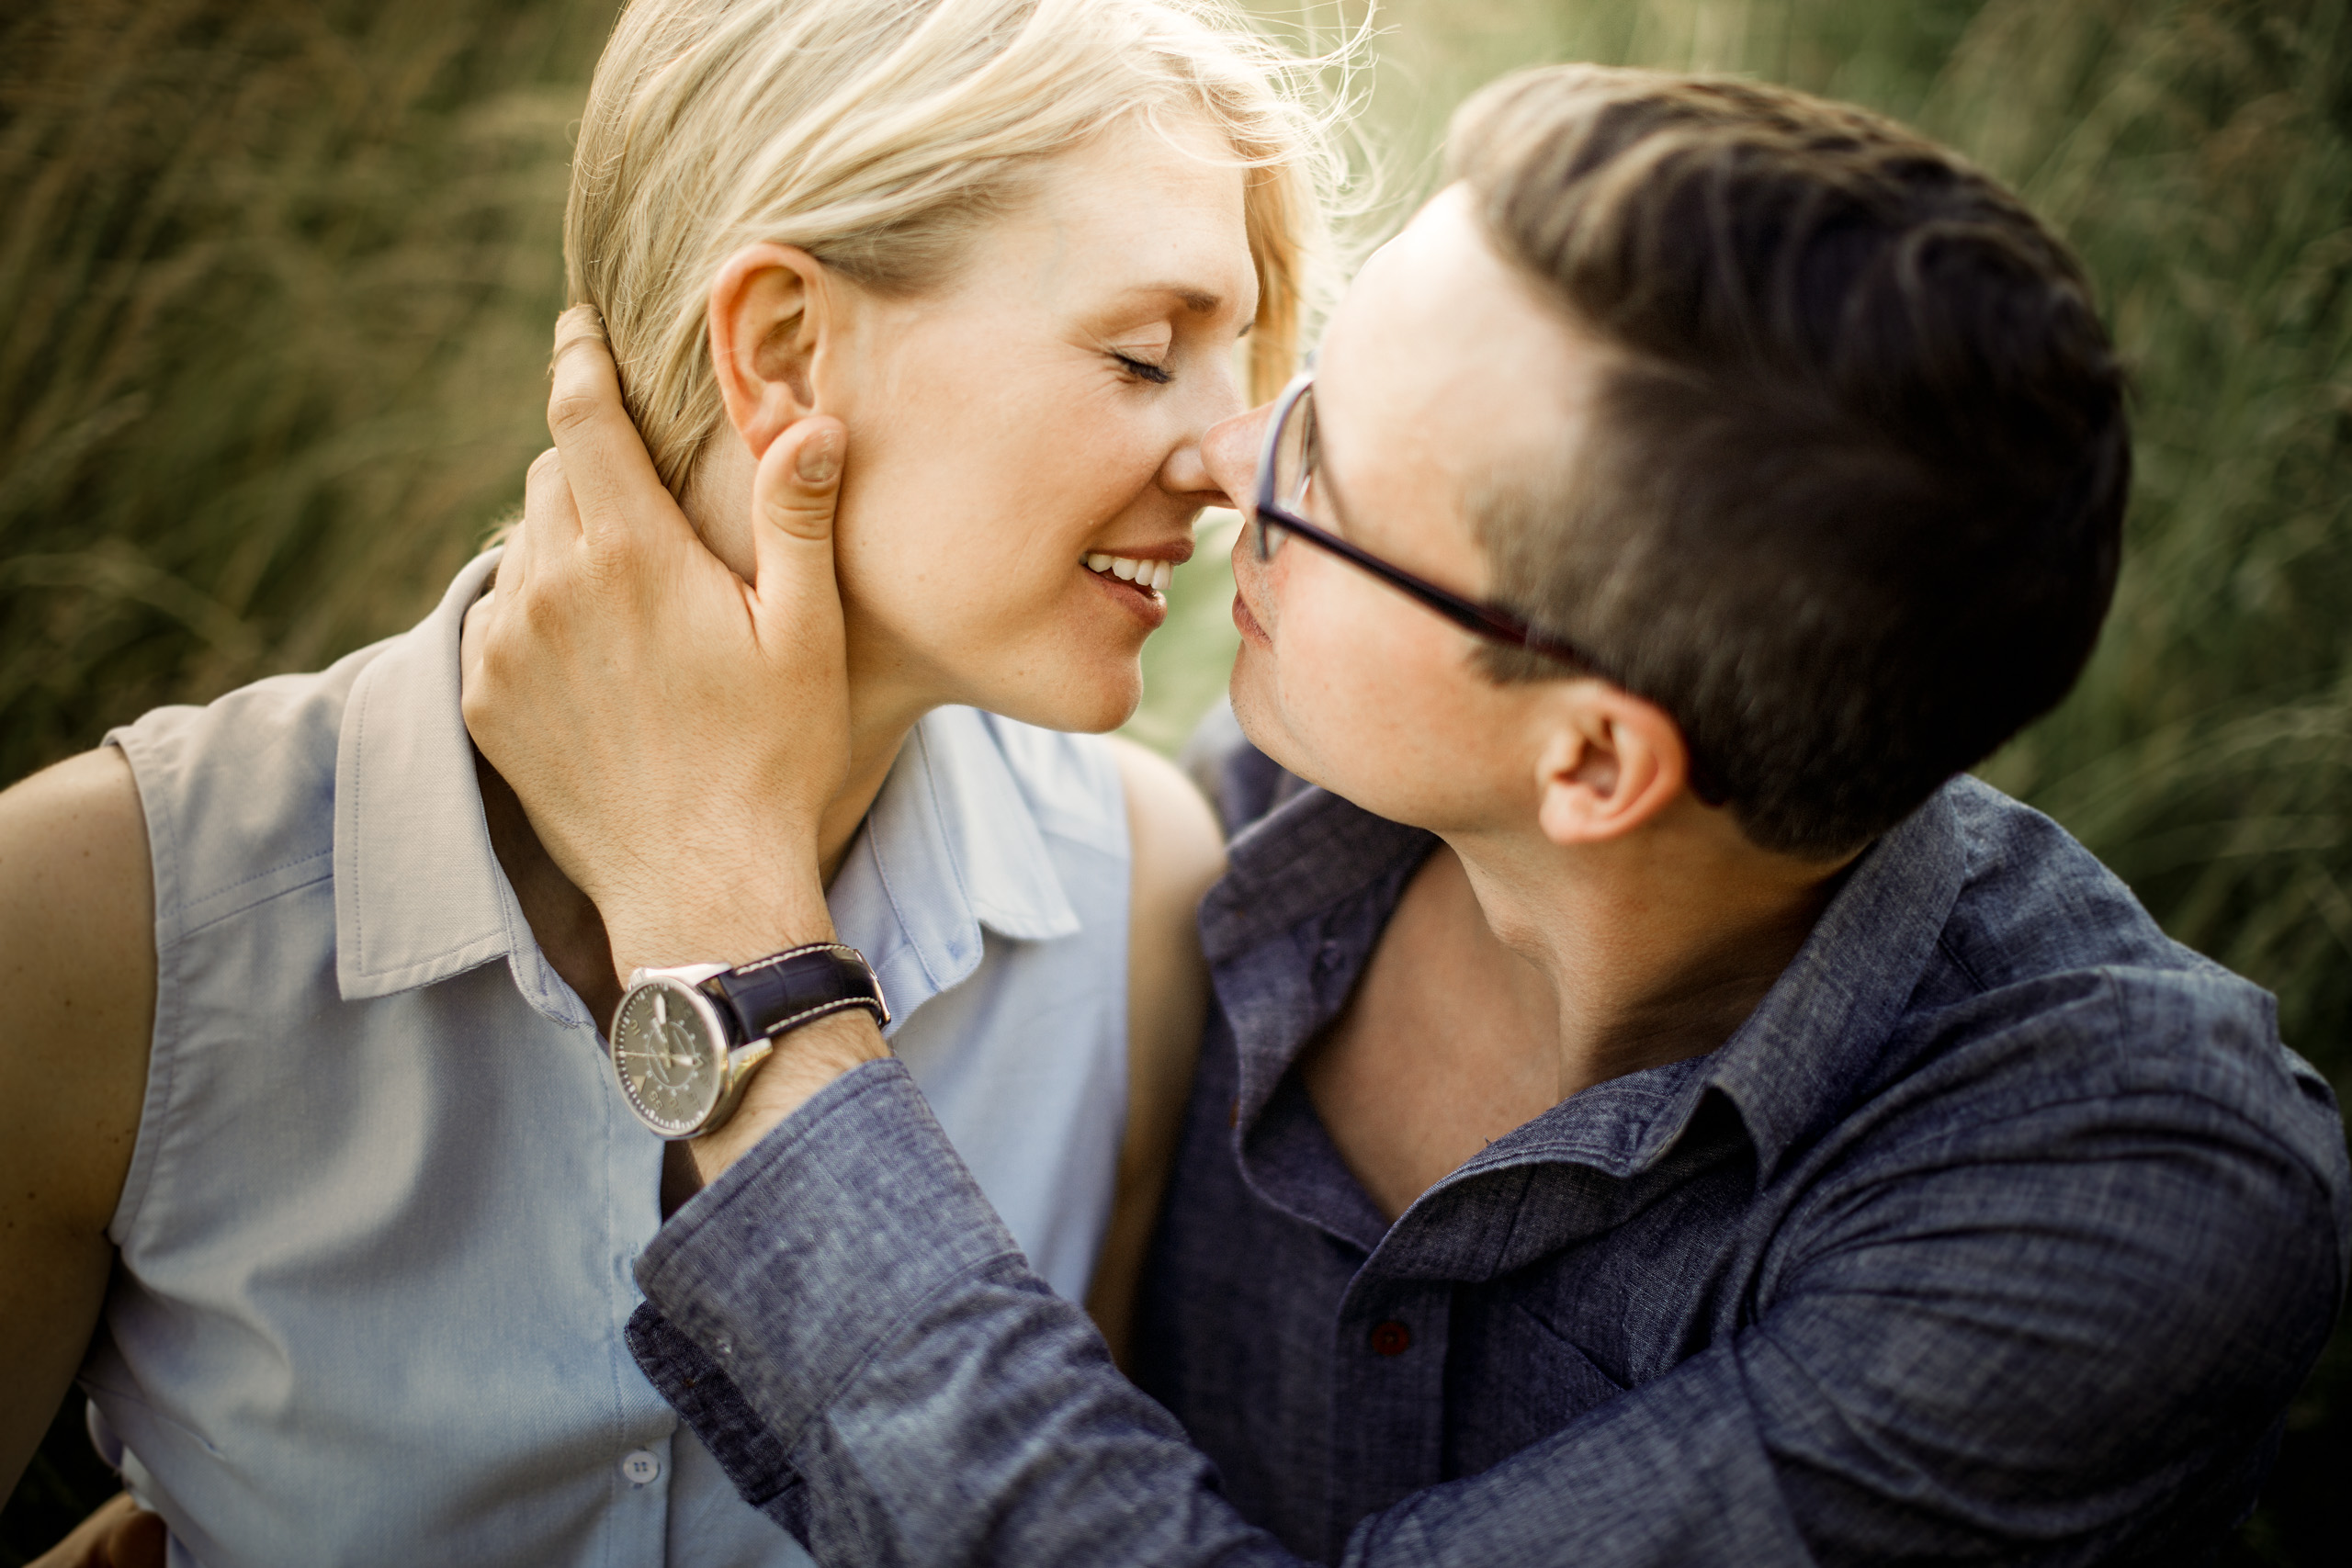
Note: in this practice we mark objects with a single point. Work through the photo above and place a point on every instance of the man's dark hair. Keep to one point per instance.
(1851, 503)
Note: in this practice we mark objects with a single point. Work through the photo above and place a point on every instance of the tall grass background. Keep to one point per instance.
(277, 278)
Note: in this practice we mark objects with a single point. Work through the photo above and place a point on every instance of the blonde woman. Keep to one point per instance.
(308, 1113)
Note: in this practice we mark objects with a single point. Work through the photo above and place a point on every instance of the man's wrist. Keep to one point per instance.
(802, 1063)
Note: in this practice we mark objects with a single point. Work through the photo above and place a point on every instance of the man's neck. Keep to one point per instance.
(1654, 950)
(1508, 979)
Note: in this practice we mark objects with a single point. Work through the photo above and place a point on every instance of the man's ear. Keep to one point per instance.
(768, 307)
(1609, 764)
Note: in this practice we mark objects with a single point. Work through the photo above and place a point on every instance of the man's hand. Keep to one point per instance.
(673, 733)
(119, 1534)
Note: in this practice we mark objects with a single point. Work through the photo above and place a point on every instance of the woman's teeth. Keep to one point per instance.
(1153, 574)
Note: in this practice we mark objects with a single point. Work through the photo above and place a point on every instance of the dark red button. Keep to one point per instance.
(1233, 1114)
(1391, 1339)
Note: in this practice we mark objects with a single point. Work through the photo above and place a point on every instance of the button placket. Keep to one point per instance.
(1389, 1398)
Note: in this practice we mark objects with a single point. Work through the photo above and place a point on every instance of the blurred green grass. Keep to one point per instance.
(276, 281)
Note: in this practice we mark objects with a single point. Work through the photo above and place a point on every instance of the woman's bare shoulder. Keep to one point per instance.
(1178, 849)
(1178, 852)
(73, 840)
(77, 943)
(78, 952)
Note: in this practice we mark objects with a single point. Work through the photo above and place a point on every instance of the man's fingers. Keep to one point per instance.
(549, 514)
(548, 527)
(792, 529)
(800, 477)
(613, 482)
(119, 1534)
(139, 1539)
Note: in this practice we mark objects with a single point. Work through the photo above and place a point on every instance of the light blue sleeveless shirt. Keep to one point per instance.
(376, 1234)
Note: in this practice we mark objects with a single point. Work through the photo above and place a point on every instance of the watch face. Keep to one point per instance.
(669, 1054)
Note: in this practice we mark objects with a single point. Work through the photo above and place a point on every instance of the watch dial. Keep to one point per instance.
(666, 1057)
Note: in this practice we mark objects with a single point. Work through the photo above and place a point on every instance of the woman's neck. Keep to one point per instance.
(879, 730)
(565, 921)
(886, 698)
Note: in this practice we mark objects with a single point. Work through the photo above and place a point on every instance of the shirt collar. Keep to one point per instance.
(1287, 930)
(952, 844)
(1794, 1065)
(1813, 1040)
(1309, 888)
(418, 893)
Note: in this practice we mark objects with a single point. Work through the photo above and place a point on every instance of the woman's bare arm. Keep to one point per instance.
(1177, 853)
(77, 951)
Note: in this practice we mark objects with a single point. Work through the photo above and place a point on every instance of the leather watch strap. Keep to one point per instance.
(791, 988)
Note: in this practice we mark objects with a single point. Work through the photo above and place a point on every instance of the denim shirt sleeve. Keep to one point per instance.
(852, 1332)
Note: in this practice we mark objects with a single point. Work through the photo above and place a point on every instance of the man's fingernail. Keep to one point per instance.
(579, 325)
(820, 457)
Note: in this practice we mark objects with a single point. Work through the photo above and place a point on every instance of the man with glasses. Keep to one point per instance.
(1656, 1109)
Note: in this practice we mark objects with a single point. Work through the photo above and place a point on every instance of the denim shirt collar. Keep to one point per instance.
(951, 844)
(1296, 919)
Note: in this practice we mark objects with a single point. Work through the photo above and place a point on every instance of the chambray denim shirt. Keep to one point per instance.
(2002, 1230)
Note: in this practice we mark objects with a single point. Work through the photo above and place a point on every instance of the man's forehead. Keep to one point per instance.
(1444, 362)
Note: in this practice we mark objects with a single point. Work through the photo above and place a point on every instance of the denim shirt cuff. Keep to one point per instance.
(709, 1402)
(801, 1261)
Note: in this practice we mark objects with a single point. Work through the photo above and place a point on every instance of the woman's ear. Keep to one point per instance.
(1611, 763)
(767, 313)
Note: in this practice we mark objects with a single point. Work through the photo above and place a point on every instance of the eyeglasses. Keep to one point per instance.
(1286, 472)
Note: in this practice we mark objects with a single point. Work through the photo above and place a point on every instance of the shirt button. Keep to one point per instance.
(642, 1466)
(1391, 1339)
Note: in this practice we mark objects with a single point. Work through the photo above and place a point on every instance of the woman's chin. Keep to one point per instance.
(1076, 707)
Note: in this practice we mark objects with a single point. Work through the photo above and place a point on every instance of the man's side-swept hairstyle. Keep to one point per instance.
(1850, 506)
(879, 135)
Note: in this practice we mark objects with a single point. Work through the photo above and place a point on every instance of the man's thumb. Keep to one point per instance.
(800, 477)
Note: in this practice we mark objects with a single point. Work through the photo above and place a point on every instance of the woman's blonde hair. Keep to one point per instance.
(879, 135)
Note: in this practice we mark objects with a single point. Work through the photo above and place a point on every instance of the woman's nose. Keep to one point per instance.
(1186, 473)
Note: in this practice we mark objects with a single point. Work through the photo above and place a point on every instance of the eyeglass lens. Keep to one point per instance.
(1295, 459)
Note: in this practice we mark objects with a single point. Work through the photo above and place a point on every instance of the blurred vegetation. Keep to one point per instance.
(276, 282)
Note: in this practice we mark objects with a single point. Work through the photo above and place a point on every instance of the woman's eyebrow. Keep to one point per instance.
(1200, 302)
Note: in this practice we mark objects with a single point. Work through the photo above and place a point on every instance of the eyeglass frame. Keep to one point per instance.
(1490, 621)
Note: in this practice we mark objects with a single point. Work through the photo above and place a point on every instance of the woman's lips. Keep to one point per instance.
(1152, 571)
(1142, 602)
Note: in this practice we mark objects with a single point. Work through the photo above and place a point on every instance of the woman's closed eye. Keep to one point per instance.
(1143, 369)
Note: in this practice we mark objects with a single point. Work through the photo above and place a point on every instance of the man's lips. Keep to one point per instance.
(1246, 624)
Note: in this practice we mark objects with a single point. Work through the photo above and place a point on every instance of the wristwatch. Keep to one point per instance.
(685, 1040)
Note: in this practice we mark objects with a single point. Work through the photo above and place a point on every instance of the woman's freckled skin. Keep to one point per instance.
(996, 440)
